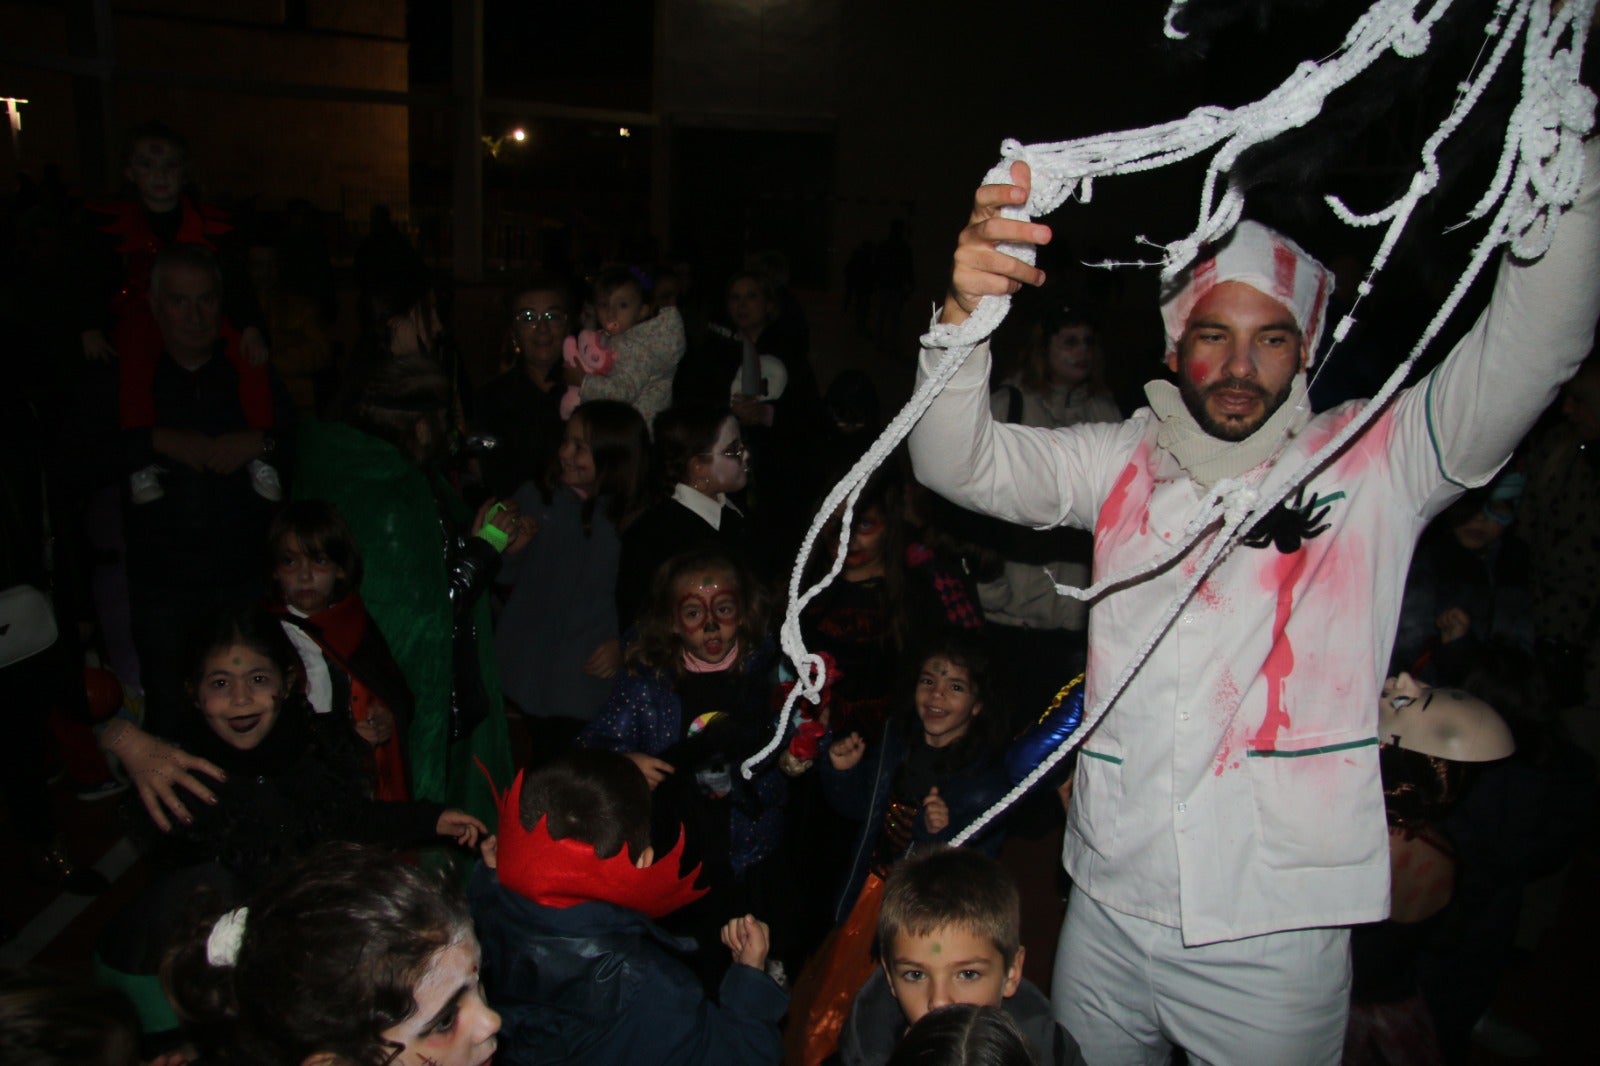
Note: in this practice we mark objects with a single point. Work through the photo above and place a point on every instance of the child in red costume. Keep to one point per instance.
(136, 230)
(349, 669)
(576, 966)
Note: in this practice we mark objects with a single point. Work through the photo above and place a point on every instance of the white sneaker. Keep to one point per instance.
(144, 486)
(264, 479)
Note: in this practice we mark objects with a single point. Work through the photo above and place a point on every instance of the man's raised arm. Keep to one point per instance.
(1470, 413)
(957, 449)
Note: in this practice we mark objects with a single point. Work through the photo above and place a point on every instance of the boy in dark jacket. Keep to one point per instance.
(573, 961)
(949, 932)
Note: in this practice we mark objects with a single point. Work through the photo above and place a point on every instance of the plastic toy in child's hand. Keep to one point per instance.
(590, 351)
(806, 741)
(1059, 721)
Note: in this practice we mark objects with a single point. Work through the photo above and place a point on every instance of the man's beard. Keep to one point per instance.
(1194, 398)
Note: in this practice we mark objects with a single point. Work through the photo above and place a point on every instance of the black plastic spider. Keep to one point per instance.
(1291, 523)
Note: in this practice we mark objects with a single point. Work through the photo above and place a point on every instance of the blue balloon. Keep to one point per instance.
(1059, 721)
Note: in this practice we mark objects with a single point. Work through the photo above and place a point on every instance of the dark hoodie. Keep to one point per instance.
(599, 983)
(876, 1024)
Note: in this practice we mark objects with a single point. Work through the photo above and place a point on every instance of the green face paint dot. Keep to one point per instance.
(237, 660)
(935, 948)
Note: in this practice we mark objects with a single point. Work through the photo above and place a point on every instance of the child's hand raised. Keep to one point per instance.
(463, 827)
(935, 812)
(655, 770)
(749, 940)
(489, 848)
(844, 754)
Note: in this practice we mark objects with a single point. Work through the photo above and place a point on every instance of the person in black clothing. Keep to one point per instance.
(520, 408)
(566, 905)
(1469, 584)
(197, 546)
(702, 459)
(294, 780)
(779, 412)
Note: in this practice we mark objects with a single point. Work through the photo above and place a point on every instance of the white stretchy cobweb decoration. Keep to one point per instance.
(1539, 172)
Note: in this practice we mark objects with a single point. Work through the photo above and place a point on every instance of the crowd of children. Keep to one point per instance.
(581, 563)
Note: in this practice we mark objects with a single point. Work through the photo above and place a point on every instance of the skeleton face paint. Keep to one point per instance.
(725, 466)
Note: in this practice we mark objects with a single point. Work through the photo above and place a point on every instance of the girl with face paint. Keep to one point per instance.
(694, 703)
(354, 955)
(290, 780)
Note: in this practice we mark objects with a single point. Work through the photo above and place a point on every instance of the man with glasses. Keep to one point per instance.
(520, 408)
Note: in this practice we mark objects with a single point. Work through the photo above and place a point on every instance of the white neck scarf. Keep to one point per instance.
(1208, 459)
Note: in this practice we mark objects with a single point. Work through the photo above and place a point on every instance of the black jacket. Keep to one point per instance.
(667, 529)
(597, 984)
(863, 792)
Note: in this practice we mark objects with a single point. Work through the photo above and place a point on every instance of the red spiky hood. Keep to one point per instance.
(565, 873)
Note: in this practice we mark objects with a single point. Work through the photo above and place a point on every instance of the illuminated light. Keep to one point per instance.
(14, 112)
(519, 134)
(623, 131)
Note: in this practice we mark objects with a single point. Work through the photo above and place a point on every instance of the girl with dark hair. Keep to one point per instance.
(694, 703)
(351, 957)
(701, 460)
(557, 639)
(293, 780)
(929, 772)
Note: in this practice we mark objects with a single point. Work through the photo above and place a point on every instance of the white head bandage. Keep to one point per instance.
(1268, 262)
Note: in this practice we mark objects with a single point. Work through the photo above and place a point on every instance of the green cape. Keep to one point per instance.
(390, 507)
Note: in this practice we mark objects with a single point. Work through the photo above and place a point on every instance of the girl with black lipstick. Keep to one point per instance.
(294, 780)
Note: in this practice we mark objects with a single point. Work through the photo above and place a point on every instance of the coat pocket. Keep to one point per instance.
(1318, 800)
(1097, 796)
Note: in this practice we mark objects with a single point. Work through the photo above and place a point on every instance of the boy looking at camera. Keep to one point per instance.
(950, 931)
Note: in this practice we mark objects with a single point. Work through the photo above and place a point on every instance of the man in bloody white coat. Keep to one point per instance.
(1227, 824)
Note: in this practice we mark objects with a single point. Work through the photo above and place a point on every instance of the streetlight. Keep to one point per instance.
(494, 144)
